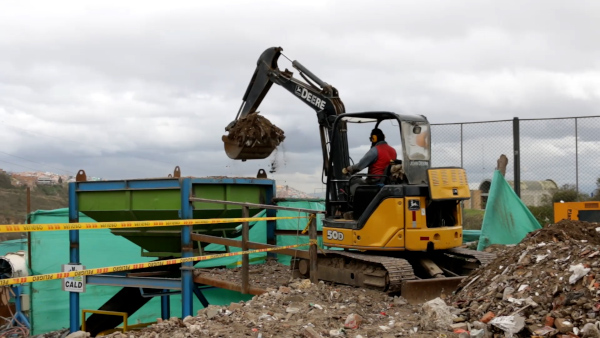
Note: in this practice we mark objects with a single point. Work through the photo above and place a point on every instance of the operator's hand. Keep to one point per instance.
(347, 170)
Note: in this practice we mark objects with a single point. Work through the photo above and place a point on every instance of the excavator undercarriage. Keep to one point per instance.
(418, 277)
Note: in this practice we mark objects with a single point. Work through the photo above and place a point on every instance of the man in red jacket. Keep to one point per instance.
(377, 158)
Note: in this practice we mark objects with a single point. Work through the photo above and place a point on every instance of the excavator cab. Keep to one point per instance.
(407, 134)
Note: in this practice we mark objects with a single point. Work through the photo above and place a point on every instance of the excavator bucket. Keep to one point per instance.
(423, 290)
(256, 152)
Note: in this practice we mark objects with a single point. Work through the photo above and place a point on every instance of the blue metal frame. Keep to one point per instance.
(136, 282)
(271, 225)
(186, 283)
(73, 256)
(19, 318)
(187, 276)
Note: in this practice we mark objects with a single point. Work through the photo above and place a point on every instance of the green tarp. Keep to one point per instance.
(297, 225)
(99, 248)
(507, 220)
(471, 235)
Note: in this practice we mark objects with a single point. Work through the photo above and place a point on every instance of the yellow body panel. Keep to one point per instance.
(377, 232)
(570, 210)
(393, 227)
(442, 238)
(338, 237)
(448, 184)
(415, 219)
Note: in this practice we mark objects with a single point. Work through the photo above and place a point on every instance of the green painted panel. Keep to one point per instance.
(165, 204)
(213, 192)
(156, 199)
(102, 200)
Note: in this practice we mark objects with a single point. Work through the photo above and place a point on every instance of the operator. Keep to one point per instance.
(377, 158)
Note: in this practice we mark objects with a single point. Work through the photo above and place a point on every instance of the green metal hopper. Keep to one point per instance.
(167, 199)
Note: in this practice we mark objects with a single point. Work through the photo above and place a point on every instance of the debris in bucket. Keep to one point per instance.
(255, 130)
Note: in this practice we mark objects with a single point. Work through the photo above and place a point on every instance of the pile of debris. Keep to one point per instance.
(546, 285)
(255, 130)
(302, 309)
(270, 274)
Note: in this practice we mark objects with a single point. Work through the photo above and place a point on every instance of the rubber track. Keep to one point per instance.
(484, 258)
(398, 269)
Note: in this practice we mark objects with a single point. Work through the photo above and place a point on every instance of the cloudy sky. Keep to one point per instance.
(130, 89)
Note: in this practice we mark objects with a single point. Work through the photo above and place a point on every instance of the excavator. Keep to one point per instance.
(401, 231)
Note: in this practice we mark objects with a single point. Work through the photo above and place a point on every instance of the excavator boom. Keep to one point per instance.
(314, 92)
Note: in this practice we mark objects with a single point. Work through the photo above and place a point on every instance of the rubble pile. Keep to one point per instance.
(547, 285)
(270, 274)
(302, 309)
(255, 130)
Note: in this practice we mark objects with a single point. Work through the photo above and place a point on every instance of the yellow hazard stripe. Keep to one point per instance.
(132, 224)
(127, 267)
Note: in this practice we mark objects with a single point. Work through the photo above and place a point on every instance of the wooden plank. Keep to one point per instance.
(312, 251)
(245, 258)
(218, 283)
(251, 245)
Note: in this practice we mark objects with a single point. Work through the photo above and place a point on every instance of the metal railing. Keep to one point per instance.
(245, 244)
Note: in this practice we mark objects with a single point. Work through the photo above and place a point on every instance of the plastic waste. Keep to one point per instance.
(353, 321)
(509, 324)
(475, 333)
(578, 272)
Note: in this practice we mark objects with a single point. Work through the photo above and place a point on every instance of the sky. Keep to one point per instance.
(131, 89)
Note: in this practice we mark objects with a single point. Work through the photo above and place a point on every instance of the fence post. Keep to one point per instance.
(245, 258)
(462, 165)
(312, 250)
(517, 156)
(576, 160)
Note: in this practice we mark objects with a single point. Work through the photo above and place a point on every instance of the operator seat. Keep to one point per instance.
(365, 193)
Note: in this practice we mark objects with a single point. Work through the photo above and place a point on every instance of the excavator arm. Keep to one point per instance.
(317, 94)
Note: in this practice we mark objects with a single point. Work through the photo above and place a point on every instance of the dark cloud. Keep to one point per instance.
(130, 90)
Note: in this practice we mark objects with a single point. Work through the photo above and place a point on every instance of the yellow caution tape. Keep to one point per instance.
(127, 267)
(310, 218)
(132, 224)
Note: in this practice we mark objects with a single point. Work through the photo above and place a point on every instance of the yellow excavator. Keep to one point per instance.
(399, 231)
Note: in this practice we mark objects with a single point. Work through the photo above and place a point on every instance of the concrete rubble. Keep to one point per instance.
(546, 286)
(302, 309)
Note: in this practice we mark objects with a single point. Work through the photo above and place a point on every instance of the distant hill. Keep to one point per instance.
(13, 201)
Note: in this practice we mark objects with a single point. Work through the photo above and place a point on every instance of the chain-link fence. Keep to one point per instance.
(565, 151)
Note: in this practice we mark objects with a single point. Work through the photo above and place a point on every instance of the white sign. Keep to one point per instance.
(73, 284)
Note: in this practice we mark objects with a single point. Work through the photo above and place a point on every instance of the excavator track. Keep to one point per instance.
(398, 269)
(362, 270)
(466, 260)
(393, 274)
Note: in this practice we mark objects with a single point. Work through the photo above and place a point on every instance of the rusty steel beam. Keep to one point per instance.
(218, 283)
(251, 245)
